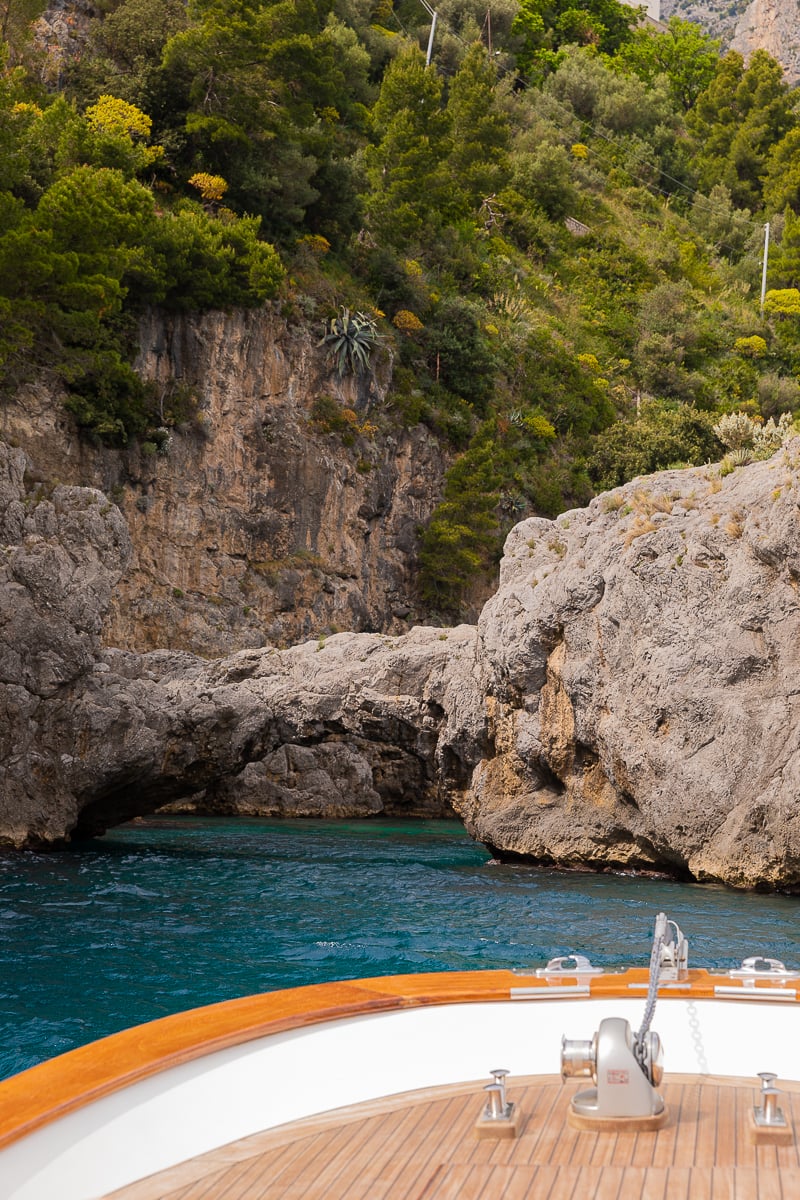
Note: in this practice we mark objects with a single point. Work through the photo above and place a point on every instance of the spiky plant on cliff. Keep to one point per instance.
(350, 339)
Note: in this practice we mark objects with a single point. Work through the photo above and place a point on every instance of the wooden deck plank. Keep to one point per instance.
(601, 1184)
(354, 1163)
(605, 1150)
(545, 1178)
(789, 1156)
(769, 1186)
(459, 1182)
(302, 1182)
(643, 1149)
(686, 1140)
(518, 1183)
(622, 1153)
(667, 1141)
(562, 1186)
(358, 1164)
(729, 1150)
(705, 1150)
(723, 1185)
(678, 1184)
(445, 1128)
(374, 1175)
(236, 1181)
(423, 1147)
(634, 1182)
(700, 1186)
(283, 1164)
(533, 1146)
(654, 1183)
(442, 1126)
(559, 1141)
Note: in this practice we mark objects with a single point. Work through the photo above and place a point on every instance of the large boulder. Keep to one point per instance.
(640, 663)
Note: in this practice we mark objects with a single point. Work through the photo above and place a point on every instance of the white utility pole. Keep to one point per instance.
(433, 15)
(764, 268)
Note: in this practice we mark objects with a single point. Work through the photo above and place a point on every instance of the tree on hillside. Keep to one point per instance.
(461, 539)
(784, 269)
(546, 25)
(411, 189)
(683, 54)
(264, 92)
(782, 179)
(123, 56)
(478, 158)
(16, 18)
(736, 122)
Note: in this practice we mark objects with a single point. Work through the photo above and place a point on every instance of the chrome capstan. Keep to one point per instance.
(626, 1068)
(623, 1087)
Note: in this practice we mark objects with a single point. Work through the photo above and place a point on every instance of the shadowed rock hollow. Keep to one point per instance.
(629, 698)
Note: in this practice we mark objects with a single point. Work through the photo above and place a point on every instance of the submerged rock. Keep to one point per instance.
(628, 699)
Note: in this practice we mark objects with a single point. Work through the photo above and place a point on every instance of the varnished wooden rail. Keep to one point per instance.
(52, 1089)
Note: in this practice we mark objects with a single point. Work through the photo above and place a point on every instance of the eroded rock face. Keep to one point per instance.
(260, 526)
(347, 730)
(629, 698)
(771, 25)
(59, 558)
(641, 662)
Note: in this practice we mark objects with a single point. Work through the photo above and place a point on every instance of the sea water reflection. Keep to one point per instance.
(172, 913)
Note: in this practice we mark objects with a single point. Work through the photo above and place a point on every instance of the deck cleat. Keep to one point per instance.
(768, 1123)
(499, 1118)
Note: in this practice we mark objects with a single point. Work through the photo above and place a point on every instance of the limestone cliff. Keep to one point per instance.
(640, 663)
(771, 25)
(627, 700)
(716, 17)
(258, 527)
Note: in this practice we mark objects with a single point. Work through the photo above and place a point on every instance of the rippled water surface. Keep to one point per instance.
(168, 914)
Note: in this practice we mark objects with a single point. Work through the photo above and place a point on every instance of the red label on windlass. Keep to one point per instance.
(617, 1077)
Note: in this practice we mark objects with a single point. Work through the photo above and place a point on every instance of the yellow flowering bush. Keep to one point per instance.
(211, 187)
(407, 322)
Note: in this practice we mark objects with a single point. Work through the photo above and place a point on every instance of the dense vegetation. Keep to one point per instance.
(556, 228)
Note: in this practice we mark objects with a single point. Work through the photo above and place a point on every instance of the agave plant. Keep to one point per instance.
(350, 339)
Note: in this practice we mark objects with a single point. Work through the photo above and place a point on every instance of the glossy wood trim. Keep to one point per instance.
(52, 1089)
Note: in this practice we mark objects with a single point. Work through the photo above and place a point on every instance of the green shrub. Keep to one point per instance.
(661, 435)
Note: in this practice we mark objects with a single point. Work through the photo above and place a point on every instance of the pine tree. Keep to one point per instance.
(262, 79)
(463, 535)
(736, 122)
(784, 271)
(782, 179)
(410, 186)
(478, 159)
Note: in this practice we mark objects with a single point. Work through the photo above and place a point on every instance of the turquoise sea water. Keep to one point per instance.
(168, 914)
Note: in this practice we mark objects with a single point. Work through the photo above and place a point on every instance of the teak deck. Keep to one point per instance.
(422, 1146)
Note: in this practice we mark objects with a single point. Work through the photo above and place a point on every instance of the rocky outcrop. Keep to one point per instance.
(260, 526)
(640, 664)
(716, 17)
(771, 25)
(93, 736)
(628, 700)
(59, 557)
